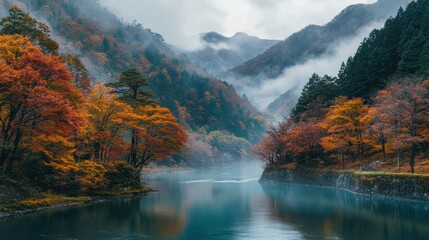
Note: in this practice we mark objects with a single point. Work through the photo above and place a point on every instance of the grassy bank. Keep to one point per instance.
(11, 207)
(366, 165)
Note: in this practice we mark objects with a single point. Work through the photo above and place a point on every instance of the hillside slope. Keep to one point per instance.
(314, 40)
(109, 46)
(399, 49)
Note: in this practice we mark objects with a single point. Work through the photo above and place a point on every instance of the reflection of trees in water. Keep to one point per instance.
(179, 210)
(330, 212)
(116, 218)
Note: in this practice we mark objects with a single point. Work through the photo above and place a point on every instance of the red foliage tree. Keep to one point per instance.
(404, 107)
(305, 141)
(38, 101)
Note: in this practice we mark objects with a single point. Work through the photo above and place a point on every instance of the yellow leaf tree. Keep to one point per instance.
(347, 122)
(107, 123)
(158, 134)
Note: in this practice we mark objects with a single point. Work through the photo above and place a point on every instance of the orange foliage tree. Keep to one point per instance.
(155, 133)
(38, 102)
(107, 124)
(347, 122)
(158, 134)
(404, 108)
(131, 89)
(305, 141)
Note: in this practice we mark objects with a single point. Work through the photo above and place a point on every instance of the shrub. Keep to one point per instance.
(57, 175)
(121, 175)
(91, 176)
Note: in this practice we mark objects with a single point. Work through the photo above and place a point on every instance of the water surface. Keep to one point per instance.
(228, 203)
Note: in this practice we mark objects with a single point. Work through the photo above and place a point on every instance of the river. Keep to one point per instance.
(228, 203)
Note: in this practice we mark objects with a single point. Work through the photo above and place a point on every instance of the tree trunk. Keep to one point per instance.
(3, 157)
(96, 151)
(399, 159)
(413, 157)
(9, 165)
(342, 158)
(133, 150)
(383, 145)
(102, 153)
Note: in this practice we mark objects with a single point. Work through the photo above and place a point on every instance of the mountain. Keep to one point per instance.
(284, 104)
(220, 53)
(109, 46)
(314, 40)
(396, 54)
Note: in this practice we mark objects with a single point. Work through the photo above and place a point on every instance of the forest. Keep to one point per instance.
(373, 116)
(60, 133)
(108, 131)
(81, 115)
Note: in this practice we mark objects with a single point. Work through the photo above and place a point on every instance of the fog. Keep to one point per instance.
(297, 76)
(182, 22)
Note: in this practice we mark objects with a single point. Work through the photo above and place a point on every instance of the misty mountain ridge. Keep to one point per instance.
(283, 105)
(314, 40)
(220, 53)
(314, 43)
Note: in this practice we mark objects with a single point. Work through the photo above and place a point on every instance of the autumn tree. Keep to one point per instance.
(38, 102)
(274, 146)
(19, 22)
(131, 89)
(404, 109)
(265, 150)
(305, 142)
(379, 131)
(107, 123)
(346, 123)
(158, 134)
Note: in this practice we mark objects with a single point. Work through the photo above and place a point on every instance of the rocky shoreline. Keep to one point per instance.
(405, 186)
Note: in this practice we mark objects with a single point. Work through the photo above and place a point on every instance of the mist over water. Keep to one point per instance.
(228, 203)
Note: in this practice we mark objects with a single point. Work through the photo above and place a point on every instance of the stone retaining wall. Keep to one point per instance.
(414, 187)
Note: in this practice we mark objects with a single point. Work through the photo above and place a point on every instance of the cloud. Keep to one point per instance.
(181, 22)
(297, 76)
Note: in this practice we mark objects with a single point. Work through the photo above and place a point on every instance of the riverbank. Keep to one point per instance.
(18, 198)
(406, 186)
(44, 201)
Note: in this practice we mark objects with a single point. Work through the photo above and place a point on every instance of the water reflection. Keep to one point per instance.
(228, 203)
(322, 213)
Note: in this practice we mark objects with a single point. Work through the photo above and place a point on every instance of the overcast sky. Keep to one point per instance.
(181, 21)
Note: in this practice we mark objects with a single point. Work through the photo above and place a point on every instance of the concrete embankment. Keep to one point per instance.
(408, 186)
